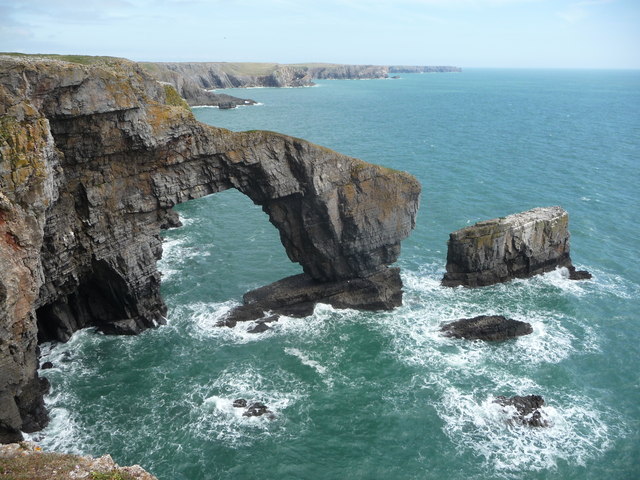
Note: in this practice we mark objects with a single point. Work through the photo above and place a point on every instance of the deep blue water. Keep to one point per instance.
(384, 395)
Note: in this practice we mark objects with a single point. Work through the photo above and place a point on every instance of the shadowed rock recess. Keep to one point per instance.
(517, 246)
(92, 158)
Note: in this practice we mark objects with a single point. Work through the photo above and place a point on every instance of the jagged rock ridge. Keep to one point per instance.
(91, 161)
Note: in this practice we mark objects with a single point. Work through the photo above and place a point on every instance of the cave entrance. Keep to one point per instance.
(226, 247)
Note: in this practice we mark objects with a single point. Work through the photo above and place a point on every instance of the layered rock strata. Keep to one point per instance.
(92, 158)
(517, 246)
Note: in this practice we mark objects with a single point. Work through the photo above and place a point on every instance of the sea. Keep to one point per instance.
(384, 395)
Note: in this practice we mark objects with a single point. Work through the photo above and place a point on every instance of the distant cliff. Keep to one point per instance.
(193, 79)
(92, 160)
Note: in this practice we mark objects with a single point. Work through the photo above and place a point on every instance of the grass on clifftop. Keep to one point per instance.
(81, 59)
(173, 98)
(50, 466)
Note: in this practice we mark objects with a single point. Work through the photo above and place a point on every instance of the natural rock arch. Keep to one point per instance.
(92, 160)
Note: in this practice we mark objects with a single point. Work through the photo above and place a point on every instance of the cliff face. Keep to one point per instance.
(91, 161)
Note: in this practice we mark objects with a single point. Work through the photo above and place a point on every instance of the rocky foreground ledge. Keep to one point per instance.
(517, 246)
(93, 158)
(26, 460)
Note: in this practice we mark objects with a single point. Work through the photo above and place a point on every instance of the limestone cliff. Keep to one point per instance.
(517, 246)
(93, 158)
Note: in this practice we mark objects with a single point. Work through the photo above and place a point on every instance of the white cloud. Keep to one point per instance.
(580, 10)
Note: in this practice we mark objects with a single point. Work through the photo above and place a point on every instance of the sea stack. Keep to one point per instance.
(517, 246)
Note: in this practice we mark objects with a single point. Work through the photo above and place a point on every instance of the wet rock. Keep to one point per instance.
(240, 403)
(527, 409)
(517, 246)
(46, 365)
(578, 274)
(259, 327)
(486, 327)
(127, 326)
(256, 409)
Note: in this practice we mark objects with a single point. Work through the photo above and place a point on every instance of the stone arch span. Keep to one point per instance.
(123, 158)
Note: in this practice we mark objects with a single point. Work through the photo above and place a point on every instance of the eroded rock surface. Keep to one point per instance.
(93, 158)
(486, 327)
(517, 246)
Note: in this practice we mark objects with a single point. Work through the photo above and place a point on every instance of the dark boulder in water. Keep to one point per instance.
(527, 409)
(579, 274)
(260, 327)
(240, 403)
(487, 327)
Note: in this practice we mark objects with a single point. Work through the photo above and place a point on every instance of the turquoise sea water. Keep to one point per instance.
(384, 395)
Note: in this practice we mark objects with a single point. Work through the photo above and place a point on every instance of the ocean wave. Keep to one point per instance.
(214, 416)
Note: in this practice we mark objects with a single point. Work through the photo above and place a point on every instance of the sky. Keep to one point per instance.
(465, 33)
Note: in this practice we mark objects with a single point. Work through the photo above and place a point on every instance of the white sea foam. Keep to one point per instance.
(214, 416)
(576, 433)
(305, 359)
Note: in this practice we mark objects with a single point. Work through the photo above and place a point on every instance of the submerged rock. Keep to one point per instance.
(255, 409)
(487, 327)
(527, 409)
(517, 246)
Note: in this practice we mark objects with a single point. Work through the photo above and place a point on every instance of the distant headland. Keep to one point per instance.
(194, 80)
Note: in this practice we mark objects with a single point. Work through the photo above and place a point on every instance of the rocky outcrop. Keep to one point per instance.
(486, 327)
(27, 460)
(517, 246)
(298, 295)
(525, 410)
(93, 158)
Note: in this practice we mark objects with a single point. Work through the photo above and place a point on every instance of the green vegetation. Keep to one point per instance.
(40, 466)
(112, 475)
(81, 59)
(173, 98)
